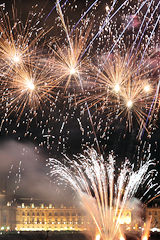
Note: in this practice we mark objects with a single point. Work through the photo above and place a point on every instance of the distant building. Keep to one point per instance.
(49, 218)
(7, 214)
(27, 216)
(153, 214)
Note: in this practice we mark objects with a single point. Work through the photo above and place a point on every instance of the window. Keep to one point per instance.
(50, 214)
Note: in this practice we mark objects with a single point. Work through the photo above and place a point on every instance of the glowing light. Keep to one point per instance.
(98, 237)
(147, 88)
(30, 85)
(117, 88)
(144, 238)
(107, 8)
(16, 58)
(129, 104)
(127, 220)
(121, 238)
(72, 71)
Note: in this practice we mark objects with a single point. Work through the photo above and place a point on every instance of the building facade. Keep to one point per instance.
(43, 217)
(50, 218)
(153, 214)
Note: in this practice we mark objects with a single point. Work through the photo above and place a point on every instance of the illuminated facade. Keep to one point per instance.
(153, 213)
(42, 217)
(49, 218)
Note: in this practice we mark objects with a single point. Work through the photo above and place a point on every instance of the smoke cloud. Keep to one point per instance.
(23, 173)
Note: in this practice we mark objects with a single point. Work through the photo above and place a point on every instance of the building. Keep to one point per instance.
(50, 218)
(7, 214)
(29, 216)
(153, 214)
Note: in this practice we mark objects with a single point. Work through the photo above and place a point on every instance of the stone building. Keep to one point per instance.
(153, 214)
(36, 216)
(49, 218)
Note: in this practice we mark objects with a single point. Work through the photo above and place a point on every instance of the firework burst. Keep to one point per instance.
(124, 88)
(30, 87)
(18, 40)
(69, 64)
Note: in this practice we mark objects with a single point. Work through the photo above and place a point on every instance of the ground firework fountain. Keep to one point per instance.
(104, 189)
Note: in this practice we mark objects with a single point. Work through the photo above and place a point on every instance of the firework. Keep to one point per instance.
(68, 61)
(30, 88)
(124, 89)
(25, 78)
(103, 189)
(18, 40)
